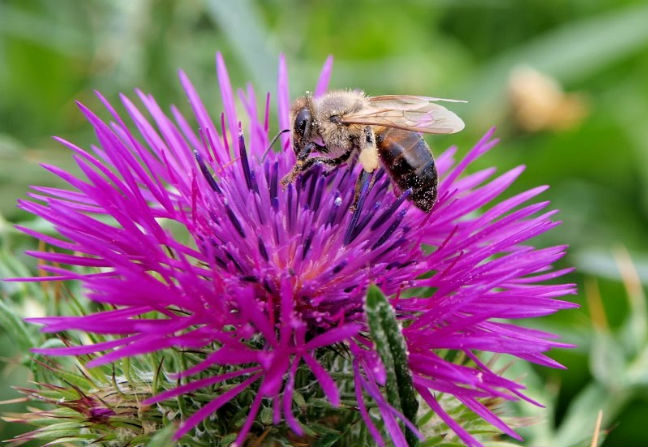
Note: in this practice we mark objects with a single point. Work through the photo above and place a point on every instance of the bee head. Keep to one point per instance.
(303, 126)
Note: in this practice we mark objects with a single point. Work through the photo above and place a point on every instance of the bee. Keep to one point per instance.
(380, 130)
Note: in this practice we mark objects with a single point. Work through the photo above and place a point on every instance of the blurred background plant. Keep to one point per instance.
(564, 81)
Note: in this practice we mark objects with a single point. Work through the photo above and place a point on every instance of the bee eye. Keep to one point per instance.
(303, 122)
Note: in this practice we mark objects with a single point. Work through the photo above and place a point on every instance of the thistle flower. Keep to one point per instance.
(269, 278)
(87, 410)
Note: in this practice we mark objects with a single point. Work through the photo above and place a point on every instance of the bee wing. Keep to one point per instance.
(404, 100)
(407, 112)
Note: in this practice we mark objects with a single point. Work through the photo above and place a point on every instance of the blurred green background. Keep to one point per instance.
(565, 82)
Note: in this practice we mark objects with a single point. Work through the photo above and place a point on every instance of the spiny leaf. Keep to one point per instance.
(388, 338)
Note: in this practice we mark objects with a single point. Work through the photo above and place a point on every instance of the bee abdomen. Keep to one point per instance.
(408, 160)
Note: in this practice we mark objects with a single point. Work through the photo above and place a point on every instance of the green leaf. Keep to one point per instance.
(328, 439)
(636, 372)
(298, 398)
(75, 379)
(70, 439)
(12, 267)
(61, 430)
(226, 440)
(15, 327)
(163, 437)
(265, 416)
(390, 344)
(579, 421)
(607, 361)
(42, 374)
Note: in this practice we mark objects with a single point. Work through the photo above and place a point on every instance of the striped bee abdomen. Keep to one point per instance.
(409, 162)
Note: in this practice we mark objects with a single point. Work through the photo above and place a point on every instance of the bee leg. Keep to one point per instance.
(335, 162)
(362, 179)
(303, 164)
(309, 163)
(298, 168)
(368, 157)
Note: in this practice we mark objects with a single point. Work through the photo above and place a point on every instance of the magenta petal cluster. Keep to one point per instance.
(289, 267)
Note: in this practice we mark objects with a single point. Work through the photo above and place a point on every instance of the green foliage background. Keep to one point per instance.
(53, 52)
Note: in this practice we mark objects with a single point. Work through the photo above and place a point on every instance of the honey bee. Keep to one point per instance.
(380, 130)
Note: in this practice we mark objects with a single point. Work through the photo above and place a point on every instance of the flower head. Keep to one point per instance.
(268, 277)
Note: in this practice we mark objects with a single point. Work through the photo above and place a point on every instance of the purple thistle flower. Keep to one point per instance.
(291, 267)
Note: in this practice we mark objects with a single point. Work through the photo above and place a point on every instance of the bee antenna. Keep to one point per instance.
(274, 140)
